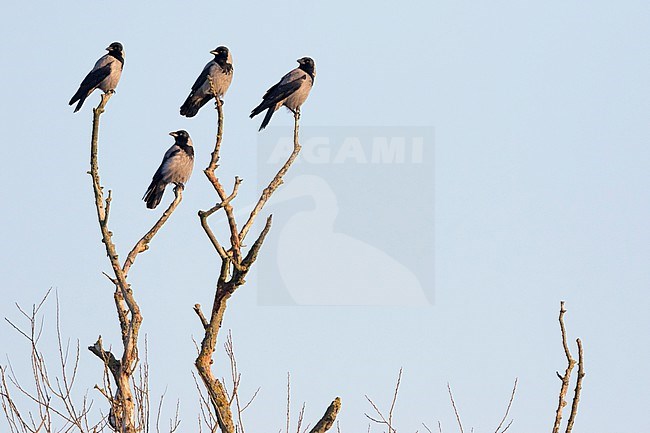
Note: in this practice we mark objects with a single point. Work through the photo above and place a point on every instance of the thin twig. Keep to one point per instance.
(288, 401)
(143, 244)
(392, 404)
(275, 182)
(512, 396)
(453, 404)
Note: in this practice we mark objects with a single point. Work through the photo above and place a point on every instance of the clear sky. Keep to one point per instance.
(525, 182)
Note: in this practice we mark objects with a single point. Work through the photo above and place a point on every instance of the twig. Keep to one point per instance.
(204, 321)
(288, 401)
(566, 378)
(512, 396)
(392, 404)
(382, 419)
(301, 415)
(453, 404)
(143, 244)
(275, 182)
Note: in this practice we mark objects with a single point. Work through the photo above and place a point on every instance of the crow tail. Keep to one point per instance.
(154, 194)
(267, 117)
(192, 105)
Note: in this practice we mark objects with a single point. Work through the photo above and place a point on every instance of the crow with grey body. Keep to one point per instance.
(176, 167)
(291, 91)
(105, 75)
(218, 70)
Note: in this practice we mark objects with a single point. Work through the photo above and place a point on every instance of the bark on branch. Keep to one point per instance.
(123, 404)
(566, 379)
(276, 181)
(234, 268)
(326, 422)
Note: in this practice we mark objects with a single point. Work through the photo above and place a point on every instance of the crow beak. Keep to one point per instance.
(214, 52)
(173, 134)
(108, 48)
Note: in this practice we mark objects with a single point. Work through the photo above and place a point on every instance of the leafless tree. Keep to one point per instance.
(387, 421)
(566, 379)
(125, 383)
(236, 262)
(47, 403)
(126, 378)
(123, 416)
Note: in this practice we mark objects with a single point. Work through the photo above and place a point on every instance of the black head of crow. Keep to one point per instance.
(307, 65)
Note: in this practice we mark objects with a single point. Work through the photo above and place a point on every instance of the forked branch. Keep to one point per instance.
(235, 265)
(123, 404)
(566, 379)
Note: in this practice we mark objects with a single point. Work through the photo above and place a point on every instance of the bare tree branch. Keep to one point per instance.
(234, 268)
(143, 244)
(512, 397)
(275, 182)
(326, 422)
(453, 404)
(123, 405)
(578, 388)
(566, 378)
(204, 321)
(288, 402)
(392, 404)
(51, 395)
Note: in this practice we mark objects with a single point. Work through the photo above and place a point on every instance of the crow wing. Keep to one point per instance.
(203, 77)
(95, 77)
(287, 85)
(281, 91)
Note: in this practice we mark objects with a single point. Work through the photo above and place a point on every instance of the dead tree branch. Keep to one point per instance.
(235, 265)
(53, 408)
(578, 388)
(123, 404)
(505, 416)
(382, 419)
(326, 422)
(453, 404)
(143, 244)
(566, 379)
(276, 181)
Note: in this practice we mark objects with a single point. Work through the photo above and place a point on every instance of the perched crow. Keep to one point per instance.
(176, 167)
(219, 70)
(105, 75)
(291, 91)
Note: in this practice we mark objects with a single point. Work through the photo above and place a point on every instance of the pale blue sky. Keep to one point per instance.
(540, 112)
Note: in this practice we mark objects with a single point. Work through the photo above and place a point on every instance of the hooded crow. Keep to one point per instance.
(291, 91)
(105, 75)
(219, 70)
(176, 167)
